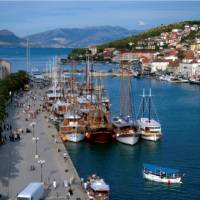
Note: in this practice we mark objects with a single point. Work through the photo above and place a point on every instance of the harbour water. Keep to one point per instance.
(178, 108)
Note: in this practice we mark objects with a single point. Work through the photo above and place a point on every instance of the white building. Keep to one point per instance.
(93, 50)
(189, 69)
(159, 66)
(5, 69)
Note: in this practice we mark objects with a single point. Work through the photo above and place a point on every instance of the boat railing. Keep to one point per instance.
(162, 174)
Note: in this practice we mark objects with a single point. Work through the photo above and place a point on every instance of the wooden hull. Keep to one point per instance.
(101, 136)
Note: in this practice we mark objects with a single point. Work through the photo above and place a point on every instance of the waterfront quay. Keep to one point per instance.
(38, 156)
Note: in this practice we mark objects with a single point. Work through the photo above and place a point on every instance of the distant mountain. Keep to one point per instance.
(79, 37)
(9, 39)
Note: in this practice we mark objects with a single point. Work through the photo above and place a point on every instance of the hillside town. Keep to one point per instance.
(176, 52)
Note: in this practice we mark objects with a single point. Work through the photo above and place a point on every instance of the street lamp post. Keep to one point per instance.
(33, 125)
(41, 162)
(36, 141)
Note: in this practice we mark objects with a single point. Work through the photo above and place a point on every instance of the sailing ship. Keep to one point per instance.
(98, 128)
(73, 128)
(124, 124)
(150, 129)
(161, 174)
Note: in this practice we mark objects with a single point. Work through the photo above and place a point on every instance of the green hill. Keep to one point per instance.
(123, 44)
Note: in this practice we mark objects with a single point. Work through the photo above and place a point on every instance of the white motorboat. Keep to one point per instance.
(161, 174)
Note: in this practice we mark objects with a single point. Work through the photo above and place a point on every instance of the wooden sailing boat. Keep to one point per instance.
(73, 128)
(99, 129)
(124, 124)
(150, 129)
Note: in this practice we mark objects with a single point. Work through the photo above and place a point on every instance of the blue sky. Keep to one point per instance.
(31, 17)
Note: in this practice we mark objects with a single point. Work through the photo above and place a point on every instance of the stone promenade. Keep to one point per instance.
(16, 158)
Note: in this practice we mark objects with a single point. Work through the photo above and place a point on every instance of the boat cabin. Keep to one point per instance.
(161, 174)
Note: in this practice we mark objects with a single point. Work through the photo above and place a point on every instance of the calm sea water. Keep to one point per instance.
(178, 108)
(38, 59)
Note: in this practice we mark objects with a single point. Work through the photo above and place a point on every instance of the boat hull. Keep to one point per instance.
(100, 136)
(75, 137)
(150, 137)
(195, 82)
(156, 178)
(129, 139)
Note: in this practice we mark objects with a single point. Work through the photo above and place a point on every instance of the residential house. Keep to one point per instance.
(107, 53)
(127, 56)
(93, 49)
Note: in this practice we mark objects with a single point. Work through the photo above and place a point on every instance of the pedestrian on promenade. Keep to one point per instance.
(54, 184)
(70, 191)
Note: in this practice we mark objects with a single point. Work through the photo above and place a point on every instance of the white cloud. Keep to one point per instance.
(141, 23)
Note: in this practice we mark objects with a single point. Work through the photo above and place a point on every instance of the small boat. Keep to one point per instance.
(195, 79)
(173, 79)
(161, 174)
(96, 188)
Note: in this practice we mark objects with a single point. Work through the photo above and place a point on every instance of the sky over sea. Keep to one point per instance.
(28, 17)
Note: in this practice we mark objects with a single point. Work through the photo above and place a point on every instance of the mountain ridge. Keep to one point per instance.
(66, 37)
(80, 37)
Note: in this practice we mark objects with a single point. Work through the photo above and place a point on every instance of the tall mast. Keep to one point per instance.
(87, 70)
(72, 89)
(91, 80)
(122, 91)
(143, 102)
(128, 95)
(149, 104)
(99, 95)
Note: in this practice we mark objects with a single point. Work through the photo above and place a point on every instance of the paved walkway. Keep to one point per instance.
(17, 157)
